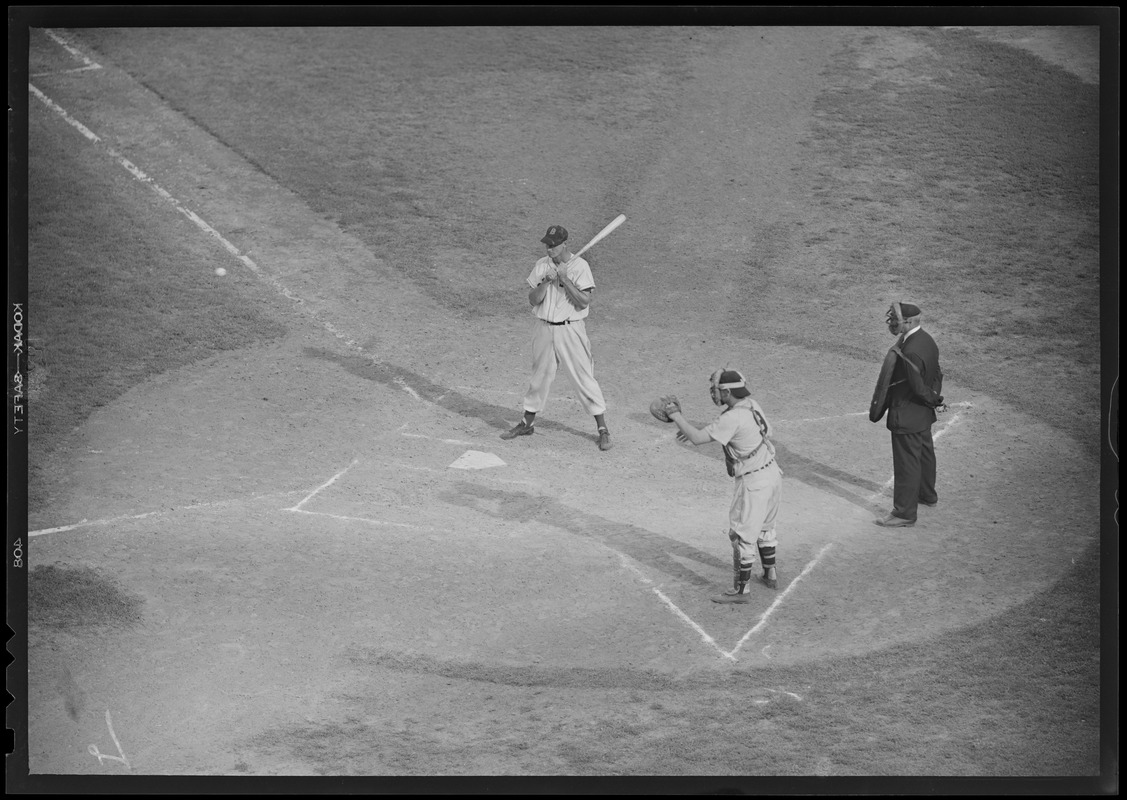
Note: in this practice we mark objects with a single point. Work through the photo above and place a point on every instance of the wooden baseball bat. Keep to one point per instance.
(604, 233)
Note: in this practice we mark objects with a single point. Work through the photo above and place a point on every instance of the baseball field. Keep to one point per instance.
(276, 322)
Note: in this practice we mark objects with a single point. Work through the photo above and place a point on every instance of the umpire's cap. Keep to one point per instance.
(907, 311)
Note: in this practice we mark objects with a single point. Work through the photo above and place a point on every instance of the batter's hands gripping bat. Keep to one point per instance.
(604, 233)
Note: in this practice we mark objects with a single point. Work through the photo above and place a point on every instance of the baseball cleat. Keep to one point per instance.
(892, 521)
(733, 598)
(521, 429)
(604, 440)
(739, 594)
(771, 583)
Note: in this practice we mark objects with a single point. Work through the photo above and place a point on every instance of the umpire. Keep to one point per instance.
(913, 395)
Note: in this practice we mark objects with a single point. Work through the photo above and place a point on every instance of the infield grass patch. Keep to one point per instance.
(78, 597)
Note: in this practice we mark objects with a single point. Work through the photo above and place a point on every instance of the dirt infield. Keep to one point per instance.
(340, 563)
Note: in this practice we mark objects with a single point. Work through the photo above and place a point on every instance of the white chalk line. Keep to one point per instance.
(86, 523)
(89, 63)
(673, 607)
(730, 655)
(697, 627)
(162, 512)
(324, 485)
(344, 517)
(778, 601)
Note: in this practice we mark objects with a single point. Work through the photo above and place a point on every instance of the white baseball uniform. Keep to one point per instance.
(744, 433)
(560, 337)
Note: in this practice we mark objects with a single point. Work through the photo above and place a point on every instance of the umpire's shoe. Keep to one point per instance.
(521, 429)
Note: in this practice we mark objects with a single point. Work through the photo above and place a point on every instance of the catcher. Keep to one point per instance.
(744, 433)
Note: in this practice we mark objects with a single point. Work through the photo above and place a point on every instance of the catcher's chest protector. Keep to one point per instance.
(734, 460)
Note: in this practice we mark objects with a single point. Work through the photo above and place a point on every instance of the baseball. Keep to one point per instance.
(220, 271)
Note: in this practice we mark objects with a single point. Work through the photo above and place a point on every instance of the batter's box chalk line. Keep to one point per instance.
(323, 486)
(708, 639)
(88, 523)
(297, 509)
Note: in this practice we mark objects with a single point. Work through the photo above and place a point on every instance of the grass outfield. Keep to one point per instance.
(1015, 696)
(979, 188)
(983, 182)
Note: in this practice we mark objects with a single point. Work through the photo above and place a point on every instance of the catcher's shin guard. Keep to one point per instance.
(767, 556)
(739, 578)
(741, 571)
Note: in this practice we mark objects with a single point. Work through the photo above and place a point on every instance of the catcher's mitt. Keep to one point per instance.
(662, 407)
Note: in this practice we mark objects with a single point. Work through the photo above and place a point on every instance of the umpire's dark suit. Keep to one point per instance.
(910, 419)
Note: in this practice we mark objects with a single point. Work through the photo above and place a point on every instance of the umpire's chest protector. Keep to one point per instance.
(908, 413)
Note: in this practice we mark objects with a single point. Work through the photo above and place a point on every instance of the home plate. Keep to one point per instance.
(474, 459)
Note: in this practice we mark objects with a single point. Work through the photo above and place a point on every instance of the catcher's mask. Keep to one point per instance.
(898, 317)
(895, 317)
(730, 380)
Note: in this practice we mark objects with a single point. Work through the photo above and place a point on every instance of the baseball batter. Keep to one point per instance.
(560, 292)
(744, 433)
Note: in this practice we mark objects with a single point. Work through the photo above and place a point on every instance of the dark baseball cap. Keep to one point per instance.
(907, 310)
(556, 235)
(734, 382)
